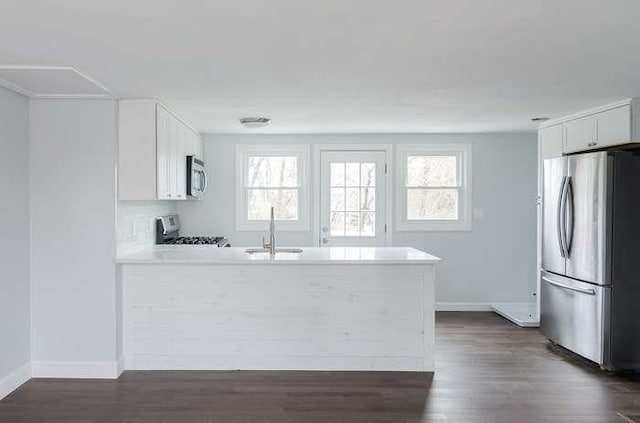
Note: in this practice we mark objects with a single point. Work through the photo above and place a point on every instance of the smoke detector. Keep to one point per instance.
(255, 122)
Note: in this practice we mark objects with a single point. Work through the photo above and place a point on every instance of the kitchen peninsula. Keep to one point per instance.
(201, 307)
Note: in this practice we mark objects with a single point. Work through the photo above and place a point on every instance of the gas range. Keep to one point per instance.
(168, 232)
(199, 240)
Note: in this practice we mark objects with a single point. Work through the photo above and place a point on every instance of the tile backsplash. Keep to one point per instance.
(136, 223)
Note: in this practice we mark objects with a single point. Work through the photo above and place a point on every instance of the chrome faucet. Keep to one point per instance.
(271, 245)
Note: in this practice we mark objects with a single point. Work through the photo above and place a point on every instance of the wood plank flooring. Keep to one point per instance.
(487, 370)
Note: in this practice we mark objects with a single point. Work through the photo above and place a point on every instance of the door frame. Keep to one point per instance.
(387, 149)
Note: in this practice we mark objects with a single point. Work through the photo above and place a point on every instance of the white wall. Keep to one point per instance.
(495, 262)
(14, 239)
(72, 150)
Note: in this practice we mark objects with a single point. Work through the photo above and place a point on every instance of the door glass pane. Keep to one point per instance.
(337, 224)
(337, 199)
(353, 199)
(353, 174)
(367, 198)
(367, 224)
(352, 224)
(337, 174)
(432, 204)
(367, 174)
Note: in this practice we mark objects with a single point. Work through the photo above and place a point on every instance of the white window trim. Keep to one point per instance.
(302, 152)
(463, 223)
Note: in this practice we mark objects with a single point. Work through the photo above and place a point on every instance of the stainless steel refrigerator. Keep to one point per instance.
(590, 279)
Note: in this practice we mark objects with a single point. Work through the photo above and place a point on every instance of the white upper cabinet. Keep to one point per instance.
(613, 127)
(602, 127)
(153, 145)
(580, 134)
(550, 140)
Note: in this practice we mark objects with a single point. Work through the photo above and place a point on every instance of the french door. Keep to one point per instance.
(352, 198)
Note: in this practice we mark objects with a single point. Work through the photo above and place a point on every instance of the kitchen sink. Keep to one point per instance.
(278, 250)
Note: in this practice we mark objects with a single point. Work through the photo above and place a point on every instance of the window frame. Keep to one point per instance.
(465, 201)
(243, 152)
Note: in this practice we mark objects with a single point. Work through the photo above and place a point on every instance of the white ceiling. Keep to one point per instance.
(51, 82)
(341, 65)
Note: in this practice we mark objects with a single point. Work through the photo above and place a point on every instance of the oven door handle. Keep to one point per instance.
(569, 287)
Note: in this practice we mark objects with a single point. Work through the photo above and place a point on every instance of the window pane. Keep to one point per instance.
(368, 224)
(337, 199)
(352, 224)
(267, 171)
(353, 199)
(367, 199)
(337, 224)
(337, 174)
(367, 174)
(353, 174)
(431, 171)
(432, 204)
(284, 201)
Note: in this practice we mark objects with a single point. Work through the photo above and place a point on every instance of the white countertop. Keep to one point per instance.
(206, 254)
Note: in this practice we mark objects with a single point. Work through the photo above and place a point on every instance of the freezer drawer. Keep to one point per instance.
(572, 314)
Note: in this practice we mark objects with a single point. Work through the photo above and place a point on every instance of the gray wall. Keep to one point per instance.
(14, 245)
(495, 262)
(72, 148)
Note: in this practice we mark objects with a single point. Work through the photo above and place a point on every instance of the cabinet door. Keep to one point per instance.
(580, 134)
(181, 160)
(163, 154)
(550, 142)
(613, 126)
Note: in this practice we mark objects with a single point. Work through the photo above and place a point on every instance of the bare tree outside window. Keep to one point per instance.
(432, 187)
(272, 181)
(353, 199)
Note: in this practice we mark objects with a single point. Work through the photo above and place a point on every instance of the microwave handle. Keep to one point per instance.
(206, 180)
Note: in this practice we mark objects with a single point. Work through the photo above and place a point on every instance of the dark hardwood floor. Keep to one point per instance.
(487, 370)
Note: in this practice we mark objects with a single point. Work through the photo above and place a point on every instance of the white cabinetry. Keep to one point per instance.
(153, 146)
(599, 128)
(550, 140)
(613, 126)
(580, 134)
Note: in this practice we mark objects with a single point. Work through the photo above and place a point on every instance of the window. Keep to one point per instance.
(434, 187)
(272, 176)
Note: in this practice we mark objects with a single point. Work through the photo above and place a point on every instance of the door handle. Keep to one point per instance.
(560, 217)
(569, 211)
(569, 287)
(325, 241)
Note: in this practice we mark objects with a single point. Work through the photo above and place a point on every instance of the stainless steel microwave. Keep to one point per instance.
(196, 177)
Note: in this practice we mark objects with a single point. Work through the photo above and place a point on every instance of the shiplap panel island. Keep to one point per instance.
(201, 307)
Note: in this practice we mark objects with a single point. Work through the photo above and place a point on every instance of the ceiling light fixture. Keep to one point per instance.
(255, 122)
(539, 119)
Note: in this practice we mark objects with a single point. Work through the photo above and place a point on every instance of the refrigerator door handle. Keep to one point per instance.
(569, 287)
(561, 217)
(569, 211)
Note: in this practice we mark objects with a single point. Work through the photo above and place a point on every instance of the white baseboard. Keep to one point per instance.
(75, 369)
(463, 307)
(14, 380)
